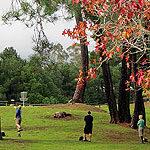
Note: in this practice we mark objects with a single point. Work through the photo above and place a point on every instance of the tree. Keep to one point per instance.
(124, 95)
(39, 83)
(68, 73)
(80, 33)
(75, 10)
(95, 91)
(109, 90)
(34, 14)
(50, 53)
(110, 93)
(138, 99)
(11, 81)
(122, 23)
(74, 53)
(79, 92)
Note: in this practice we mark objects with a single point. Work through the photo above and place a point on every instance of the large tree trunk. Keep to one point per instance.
(108, 85)
(124, 96)
(79, 92)
(139, 108)
(139, 103)
(110, 93)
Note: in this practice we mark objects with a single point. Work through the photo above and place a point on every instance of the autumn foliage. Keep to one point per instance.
(121, 22)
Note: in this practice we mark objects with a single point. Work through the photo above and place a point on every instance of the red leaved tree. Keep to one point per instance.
(80, 88)
(123, 23)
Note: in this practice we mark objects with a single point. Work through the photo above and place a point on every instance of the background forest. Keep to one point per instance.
(49, 83)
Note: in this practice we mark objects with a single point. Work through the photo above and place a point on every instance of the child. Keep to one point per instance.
(141, 127)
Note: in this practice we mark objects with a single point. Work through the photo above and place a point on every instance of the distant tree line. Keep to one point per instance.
(49, 83)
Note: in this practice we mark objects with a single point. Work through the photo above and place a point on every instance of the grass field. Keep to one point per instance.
(43, 132)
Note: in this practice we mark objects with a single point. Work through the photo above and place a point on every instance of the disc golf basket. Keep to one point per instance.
(23, 97)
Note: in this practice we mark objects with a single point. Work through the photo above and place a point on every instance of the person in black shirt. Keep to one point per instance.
(88, 126)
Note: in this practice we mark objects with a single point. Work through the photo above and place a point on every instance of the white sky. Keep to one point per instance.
(20, 37)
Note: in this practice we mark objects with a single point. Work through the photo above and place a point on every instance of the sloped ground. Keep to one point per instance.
(77, 106)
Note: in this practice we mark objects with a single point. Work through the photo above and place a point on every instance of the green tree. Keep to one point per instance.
(10, 79)
(75, 54)
(34, 13)
(95, 91)
(39, 84)
(69, 72)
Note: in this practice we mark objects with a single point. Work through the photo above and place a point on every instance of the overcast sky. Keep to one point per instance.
(20, 37)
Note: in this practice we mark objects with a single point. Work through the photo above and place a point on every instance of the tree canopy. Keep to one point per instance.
(118, 23)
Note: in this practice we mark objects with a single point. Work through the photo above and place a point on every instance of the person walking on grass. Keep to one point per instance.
(18, 120)
(141, 127)
(88, 126)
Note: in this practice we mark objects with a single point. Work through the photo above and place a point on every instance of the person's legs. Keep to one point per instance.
(90, 136)
(84, 137)
(141, 139)
(19, 134)
(141, 130)
(18, 124)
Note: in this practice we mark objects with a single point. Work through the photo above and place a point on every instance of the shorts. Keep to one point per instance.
(18, 121)
(88, 130)
(141, 130)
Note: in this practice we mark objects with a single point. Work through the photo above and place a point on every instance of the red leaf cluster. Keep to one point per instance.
(125, 27)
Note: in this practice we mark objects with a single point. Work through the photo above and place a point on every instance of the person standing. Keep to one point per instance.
(141, 127)
(18, 120)
(88, 126)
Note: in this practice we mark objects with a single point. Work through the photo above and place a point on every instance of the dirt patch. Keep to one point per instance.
(125, 125)
(121, 136)
(147, 103)
(67, 118)
(147, 131)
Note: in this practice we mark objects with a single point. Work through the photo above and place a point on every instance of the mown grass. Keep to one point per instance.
(43, 132)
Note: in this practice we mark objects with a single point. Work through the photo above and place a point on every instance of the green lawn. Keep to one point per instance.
(43, 132)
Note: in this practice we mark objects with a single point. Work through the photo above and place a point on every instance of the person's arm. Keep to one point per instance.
(138, 123)
(16, 114)
(85, 119)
